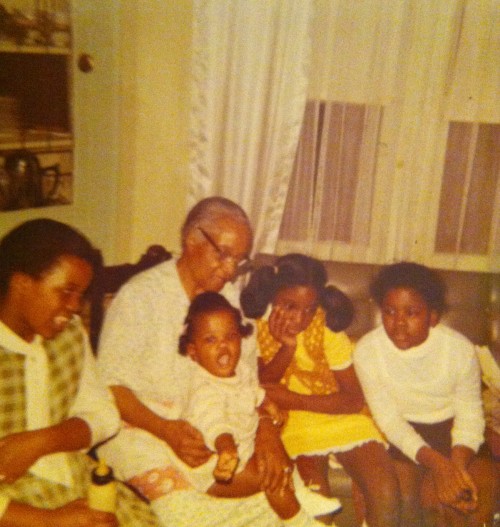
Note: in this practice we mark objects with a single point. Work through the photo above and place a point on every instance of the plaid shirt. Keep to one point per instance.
(65, 355)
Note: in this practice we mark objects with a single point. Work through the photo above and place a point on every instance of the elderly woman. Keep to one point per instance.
(53, 405)
(138, 356)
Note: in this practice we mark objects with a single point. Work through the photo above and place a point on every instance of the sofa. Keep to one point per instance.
(473, 309)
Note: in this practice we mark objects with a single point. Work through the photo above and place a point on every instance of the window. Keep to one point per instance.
(331, 192)
(469, 188)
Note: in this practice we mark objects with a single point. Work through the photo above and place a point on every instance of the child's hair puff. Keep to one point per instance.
(296, 270)
(206, 303)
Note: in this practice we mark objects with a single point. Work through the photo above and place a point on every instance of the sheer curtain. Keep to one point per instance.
(358, 72)
(250, 75)
(376, 86)
(333, 182)
(399, 150)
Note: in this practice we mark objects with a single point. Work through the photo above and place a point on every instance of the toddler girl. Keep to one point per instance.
(225, 405)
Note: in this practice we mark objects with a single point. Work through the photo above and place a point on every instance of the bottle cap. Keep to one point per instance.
(102, 474)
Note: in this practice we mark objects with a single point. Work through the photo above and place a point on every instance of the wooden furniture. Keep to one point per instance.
(35, 104)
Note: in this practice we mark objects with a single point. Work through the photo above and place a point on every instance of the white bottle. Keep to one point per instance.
(102, 489)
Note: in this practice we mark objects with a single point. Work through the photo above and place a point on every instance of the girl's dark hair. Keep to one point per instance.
(425, 281)
(35, 246)
(296, 270)
(203, 304)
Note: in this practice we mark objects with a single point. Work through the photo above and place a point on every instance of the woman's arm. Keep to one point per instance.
(18, 452)
(94, 402)
(185, 440)
(74, 514)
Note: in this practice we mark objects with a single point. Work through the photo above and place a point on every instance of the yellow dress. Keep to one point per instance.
(311, 433)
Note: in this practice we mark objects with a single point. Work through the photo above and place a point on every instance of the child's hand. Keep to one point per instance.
(454, 486)
(280, 327)
(277, 415)
(226, 465)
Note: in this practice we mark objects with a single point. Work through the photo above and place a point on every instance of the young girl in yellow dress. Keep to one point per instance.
(306, 368)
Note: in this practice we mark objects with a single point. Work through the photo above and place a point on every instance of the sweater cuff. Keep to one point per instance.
(411, 448)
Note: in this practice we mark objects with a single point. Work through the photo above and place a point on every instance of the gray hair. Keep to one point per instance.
(211, 209)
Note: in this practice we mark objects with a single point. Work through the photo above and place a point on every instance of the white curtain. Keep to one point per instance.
(375, 176)
(333, 182)
(371, 176)
(250, 75)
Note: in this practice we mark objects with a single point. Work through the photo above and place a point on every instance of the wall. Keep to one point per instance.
(154, 102)
(130, 122)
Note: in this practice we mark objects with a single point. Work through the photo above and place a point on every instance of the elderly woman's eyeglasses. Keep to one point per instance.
(225, 257)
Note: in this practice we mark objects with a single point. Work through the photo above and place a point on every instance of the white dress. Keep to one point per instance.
(220, 405)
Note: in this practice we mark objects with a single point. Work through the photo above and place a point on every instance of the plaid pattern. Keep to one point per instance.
(131, 511)
(65, 356)
(12, 399)
(65, 360)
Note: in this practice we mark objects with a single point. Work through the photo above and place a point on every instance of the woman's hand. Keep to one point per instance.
(18, 452)
(78, 514)
(273, 463)
(187, 442)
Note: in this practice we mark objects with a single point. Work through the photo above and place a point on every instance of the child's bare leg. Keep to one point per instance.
(371, 468)
(410, 477)
(248, 482)
(314, 472)
(482, 471)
